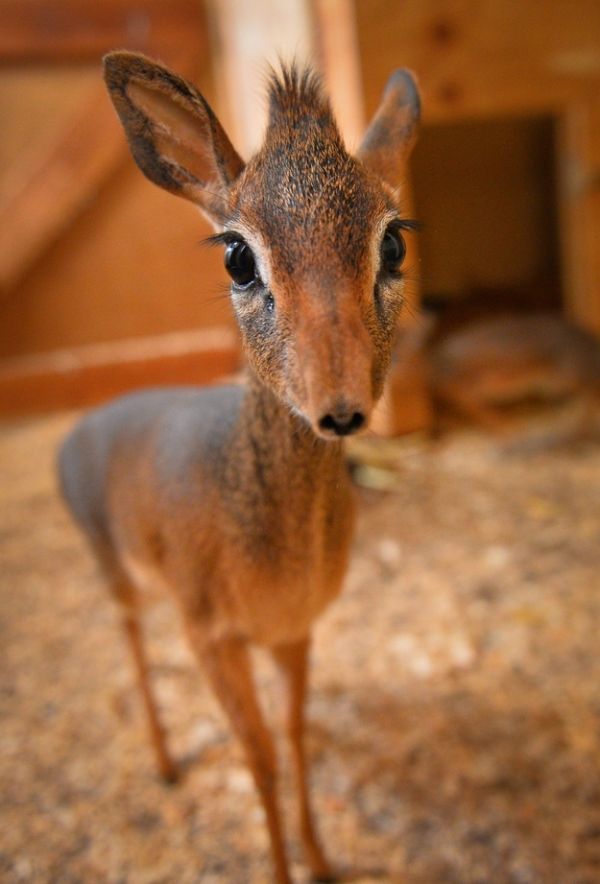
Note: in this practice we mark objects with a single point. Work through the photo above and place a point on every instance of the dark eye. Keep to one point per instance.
(240, 264)
(393, 250)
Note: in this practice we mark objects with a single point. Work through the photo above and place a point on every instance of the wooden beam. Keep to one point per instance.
(65, 31)
(579, 210)
(69, 379)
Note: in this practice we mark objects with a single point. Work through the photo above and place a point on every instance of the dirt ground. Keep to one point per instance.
(455, 712)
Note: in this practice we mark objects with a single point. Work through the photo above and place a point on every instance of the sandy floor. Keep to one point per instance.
(455, 714)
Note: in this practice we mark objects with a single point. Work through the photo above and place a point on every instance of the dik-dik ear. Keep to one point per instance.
(174, 136)
(393, 130)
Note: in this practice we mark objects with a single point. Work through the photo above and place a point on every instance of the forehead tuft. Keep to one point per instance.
(303, 189)
(294, 91)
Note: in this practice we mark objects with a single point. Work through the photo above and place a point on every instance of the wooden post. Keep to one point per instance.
(249, 35)
(579, 210)
(337, 45)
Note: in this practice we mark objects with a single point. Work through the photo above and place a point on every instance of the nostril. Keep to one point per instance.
(342, 424)
(327, 423)
(356, 421)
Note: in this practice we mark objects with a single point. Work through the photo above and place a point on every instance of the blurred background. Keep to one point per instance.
(103, 283)
(454, 722)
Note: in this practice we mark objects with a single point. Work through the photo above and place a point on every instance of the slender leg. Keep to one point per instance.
(131, 624)
(227, 664)
(293, 663)
(125, 595)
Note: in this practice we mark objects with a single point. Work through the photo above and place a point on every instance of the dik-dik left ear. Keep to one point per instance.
(174, 136)
(393, 130)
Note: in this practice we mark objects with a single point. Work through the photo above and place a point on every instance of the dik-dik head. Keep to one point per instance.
(313, 236)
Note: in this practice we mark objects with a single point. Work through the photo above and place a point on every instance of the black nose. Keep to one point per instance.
(342, 423)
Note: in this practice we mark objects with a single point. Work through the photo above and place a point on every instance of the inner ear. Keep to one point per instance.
(179, 135)
(174, 136)
(167, 113)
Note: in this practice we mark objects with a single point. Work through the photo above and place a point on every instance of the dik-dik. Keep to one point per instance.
(236, 498)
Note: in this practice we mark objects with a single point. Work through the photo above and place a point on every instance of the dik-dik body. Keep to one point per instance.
(236, 498)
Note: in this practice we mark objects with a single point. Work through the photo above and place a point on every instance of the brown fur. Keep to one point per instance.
(236, 499)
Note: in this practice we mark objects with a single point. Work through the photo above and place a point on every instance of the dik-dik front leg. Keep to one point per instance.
(227, 664)
(293, 663)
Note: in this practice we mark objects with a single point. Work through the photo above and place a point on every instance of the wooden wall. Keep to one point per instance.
(486, 192)
(90, 252)
(481, 60)
(131, 265)
(93, 258)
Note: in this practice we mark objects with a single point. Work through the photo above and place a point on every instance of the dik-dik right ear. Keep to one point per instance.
(174, 136)
(392, 132)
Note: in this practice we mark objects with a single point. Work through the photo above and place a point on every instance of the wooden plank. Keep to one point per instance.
(80, 377)
(65, 31)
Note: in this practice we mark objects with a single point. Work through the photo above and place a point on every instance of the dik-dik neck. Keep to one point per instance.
(287, 488)
(282, 441)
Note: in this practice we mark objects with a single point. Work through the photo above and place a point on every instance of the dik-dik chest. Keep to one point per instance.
(279, 580)
(254, 546)
(286, 552)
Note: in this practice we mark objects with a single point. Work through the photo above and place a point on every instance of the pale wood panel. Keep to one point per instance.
(337, 45)
(131, 266)
(54, 162)
(483, 57)
(35, 103)
(250, 36)
(57, 174)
